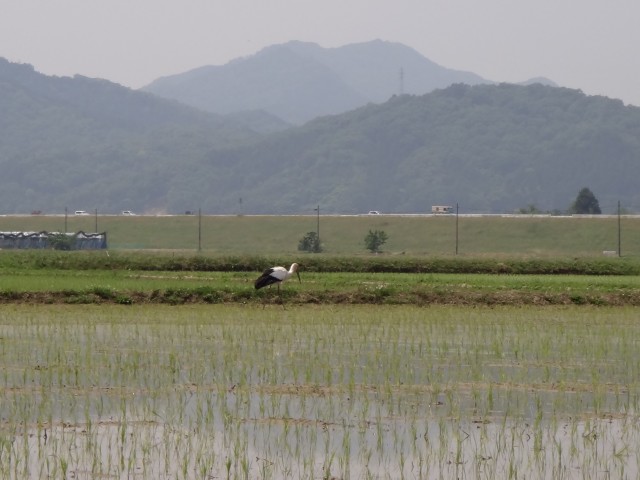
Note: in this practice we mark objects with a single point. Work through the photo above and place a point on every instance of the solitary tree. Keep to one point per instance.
(374, 240)
(310, 243)
(586, 203)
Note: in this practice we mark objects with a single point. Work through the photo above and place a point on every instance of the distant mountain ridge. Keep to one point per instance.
(299, 81)
(84, 143)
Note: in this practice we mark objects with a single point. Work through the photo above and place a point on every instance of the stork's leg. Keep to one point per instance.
(280, 296)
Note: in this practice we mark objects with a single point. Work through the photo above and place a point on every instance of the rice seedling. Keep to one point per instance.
(318, 392)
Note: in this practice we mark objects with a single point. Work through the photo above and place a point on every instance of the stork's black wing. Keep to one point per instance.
(265, 279)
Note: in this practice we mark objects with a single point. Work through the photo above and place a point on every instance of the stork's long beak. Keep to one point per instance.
(298, 273)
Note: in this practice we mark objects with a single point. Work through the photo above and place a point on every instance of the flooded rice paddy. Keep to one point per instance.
(339, 392)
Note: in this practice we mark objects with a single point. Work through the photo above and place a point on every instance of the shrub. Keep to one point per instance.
(310, 243)
(374, 240)
(62, 241)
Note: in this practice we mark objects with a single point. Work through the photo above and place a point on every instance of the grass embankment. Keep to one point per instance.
(533, 236)
(126, 278)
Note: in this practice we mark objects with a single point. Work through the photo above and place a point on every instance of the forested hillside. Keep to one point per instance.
(84, 143)
(489, 148)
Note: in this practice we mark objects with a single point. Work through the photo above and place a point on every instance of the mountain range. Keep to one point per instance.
(299, 81)
(89, 143)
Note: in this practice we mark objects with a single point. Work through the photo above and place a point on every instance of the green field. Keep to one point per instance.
(532, 236)
(188, 287)
(343, 392)
(516, 358)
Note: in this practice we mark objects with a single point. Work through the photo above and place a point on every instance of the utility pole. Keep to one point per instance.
(318, 226)
(456, 228)
(619, 232)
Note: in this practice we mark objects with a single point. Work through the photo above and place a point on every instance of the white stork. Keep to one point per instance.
(276, 275)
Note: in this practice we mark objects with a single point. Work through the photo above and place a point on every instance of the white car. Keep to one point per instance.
(81, 212)
(127, 212)
(374, 212)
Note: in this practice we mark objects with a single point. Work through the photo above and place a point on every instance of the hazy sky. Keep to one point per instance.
(587, 44)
